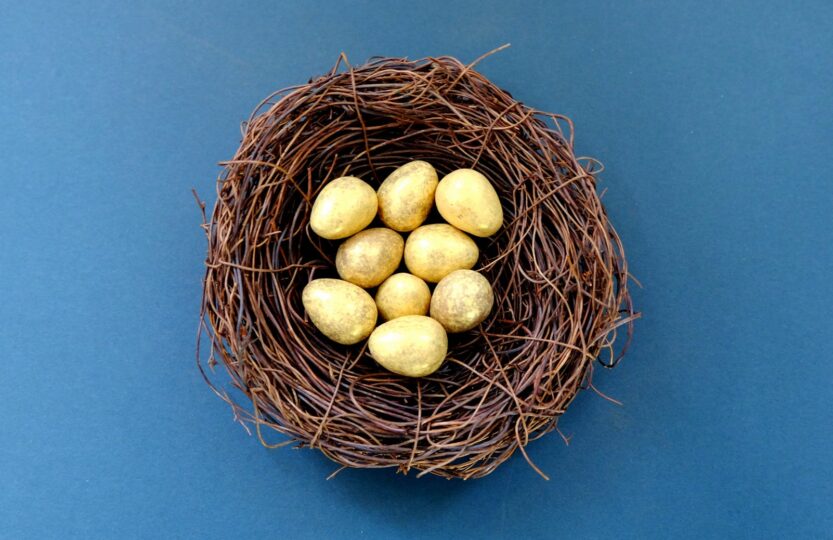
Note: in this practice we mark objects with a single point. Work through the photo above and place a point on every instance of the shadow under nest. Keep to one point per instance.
(557, 268)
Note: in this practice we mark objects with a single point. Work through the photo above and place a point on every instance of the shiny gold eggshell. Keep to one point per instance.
(369, 257)
(407, 195)
(466, 199)
(462, 300)
(342, 311)
(344, 206)
(402, 294)
(433, 251)
(414, 345)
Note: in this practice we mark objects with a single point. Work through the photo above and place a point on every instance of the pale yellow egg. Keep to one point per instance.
(342, 311)
(462, 300)
(402, 294)
(466, 199)
(414, 345)
(407, 195)
(344, 206)
(433, 251)
(370, 256)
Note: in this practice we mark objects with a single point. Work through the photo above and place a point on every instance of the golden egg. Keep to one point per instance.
(369, 257)
(345, 206)
(466, 199)
(433, 251)
(462, 300)
(402, 294)
(407, 195)
(342, 311)
(414, 345)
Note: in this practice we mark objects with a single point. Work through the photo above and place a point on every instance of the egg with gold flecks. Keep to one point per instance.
(414, 345)
(344, 206)
(433, 251)
(403, 294)
(369, 257)
(407, 196)
(462, 300)
(466, 199)
(343, 312)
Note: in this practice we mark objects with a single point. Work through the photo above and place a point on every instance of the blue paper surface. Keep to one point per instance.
(714, 121)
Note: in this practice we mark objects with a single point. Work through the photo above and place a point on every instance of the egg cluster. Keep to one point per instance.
(413, 341)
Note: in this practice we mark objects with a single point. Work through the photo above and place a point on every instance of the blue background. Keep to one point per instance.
(715, 123)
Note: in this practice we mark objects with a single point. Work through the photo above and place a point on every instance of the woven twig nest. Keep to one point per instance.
(557, 268)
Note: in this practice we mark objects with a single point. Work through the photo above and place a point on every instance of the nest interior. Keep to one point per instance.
(557, 268)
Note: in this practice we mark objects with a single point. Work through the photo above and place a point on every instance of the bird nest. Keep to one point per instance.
(557, 268)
